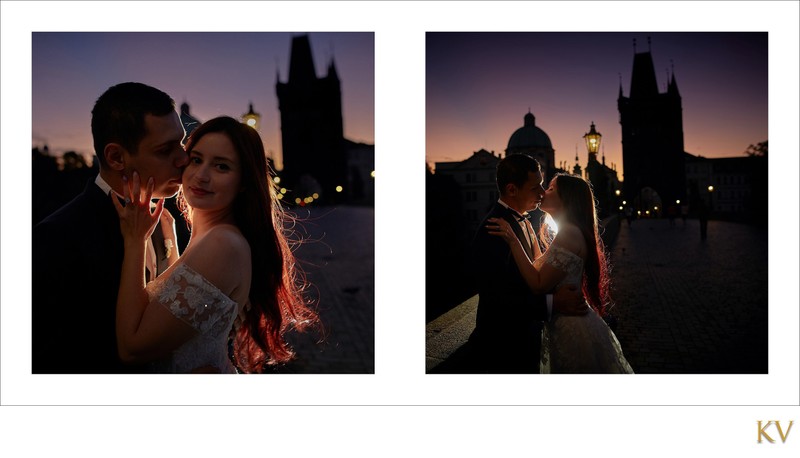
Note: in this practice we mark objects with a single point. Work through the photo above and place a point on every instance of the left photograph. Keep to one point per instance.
(203, 203)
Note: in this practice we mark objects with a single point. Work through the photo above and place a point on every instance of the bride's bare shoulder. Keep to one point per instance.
(570, 238)
(223, 246)
(225, 236)
(221, 255)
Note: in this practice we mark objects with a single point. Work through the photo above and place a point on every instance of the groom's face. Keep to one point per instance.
(529, 195)
(160, 154)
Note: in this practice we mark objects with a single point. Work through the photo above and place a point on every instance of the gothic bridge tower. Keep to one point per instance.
(652, 137)
(312, 135)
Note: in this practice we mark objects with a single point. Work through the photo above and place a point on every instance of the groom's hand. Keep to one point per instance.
(568, 300)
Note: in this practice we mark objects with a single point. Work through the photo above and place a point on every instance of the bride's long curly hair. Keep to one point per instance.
(580, 209)
(277, 302)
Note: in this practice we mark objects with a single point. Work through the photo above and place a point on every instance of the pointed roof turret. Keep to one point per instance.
(673, 85)
(332, 73)
(643, 78)
(301, 62)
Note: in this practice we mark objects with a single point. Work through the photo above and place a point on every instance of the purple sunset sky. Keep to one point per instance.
(216, 73)
(480, 85)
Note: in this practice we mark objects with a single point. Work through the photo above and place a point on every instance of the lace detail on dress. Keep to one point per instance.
(193, 299)
(564, 260)
(577, 344)
(201, 305)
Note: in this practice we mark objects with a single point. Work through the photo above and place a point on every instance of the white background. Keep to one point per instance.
(399, 410)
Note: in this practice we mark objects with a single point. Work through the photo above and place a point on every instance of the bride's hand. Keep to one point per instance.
(170, 236)
(500, 228)
(136, 220)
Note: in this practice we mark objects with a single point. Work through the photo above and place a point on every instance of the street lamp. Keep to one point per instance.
(596, 173)
(251, 118)
(592, 140)
(710, 198)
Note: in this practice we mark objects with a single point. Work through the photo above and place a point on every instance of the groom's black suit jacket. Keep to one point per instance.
(77, 260)
(507, 335)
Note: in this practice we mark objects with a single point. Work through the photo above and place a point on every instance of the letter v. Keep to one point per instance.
(780, 430)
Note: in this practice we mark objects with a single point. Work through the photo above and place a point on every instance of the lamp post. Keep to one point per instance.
(251, 118)
(710, 199)
(592, 139)
(595, 172)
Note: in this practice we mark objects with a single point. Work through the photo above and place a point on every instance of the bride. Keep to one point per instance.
(571, 344)
(236, 281)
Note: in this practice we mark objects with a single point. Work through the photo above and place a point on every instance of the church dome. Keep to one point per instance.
(529, 136)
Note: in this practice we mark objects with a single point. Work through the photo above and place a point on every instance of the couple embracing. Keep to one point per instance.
(541, 301)
(111, 291)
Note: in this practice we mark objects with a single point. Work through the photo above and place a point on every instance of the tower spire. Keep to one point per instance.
(673, 84)
(301, 62)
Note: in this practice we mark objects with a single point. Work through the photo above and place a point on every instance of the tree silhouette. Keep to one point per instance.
(759, 150)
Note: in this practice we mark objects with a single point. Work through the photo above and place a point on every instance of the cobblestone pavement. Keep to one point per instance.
(689, 306)
(338, 259)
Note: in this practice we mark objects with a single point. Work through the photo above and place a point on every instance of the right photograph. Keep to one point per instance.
(597, 202)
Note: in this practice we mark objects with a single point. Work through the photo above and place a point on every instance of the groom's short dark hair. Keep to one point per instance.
(118, 115)
(514, 168)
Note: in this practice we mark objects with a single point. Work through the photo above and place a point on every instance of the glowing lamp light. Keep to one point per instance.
(283, 190)
(592, 139)
(551, 224)
(655, 208)
(372, 174)
(339, 189)
(297, 201)
(620, 208)
(710, 189)
(277, 180)
(678, 202)
(315, 195)
(624, 202)
(617, 192)
(251, 118)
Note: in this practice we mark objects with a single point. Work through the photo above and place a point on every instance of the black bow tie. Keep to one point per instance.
(521, 218)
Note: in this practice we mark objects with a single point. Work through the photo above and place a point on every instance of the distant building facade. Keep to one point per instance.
(475, 177)
(733, 188)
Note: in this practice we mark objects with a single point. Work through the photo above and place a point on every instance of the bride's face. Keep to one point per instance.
(212, 180)
(552, 202)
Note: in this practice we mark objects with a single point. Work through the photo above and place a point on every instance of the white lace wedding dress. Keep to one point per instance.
(578, 344)
(200, 304)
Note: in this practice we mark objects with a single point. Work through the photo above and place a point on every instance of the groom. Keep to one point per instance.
(507, 335)
(77, 251)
